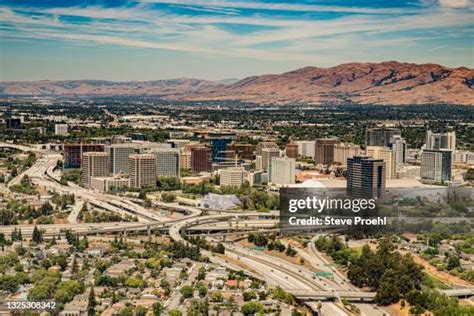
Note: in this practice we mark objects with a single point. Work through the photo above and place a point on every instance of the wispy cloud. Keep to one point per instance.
(297, 32)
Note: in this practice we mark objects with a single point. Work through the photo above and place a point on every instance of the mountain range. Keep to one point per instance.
(375, 83)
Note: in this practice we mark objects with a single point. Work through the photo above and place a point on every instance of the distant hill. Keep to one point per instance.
(104, 88)
(379, 83)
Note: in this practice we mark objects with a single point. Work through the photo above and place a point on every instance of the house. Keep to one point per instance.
(77, 307)
(171, 274)
(232, 284)
(120, 268)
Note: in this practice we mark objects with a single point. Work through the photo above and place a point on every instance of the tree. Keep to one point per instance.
(37, 235)
(202, 273)
(140, 310)
(217, 297)
(38, 293)
(453, 262)
(168, 197)
(61, 260)
(157, 309)
(186, 291)
(290, 251)
(387, 293)
(66, 290)
(92, 302)
(249, 295)
(197, 308)
(174, 312)
(75, 267)
(135, 282)
(251, 308)
(142, 195)
(126, 311)
(202, 289)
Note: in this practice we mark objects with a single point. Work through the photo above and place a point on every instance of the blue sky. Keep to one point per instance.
(217, 39)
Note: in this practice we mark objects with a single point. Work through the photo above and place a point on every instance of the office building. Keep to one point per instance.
(137, 136)
(258, 163)
(463, 157)
(61, 129)
(13, 123)
(263, 145)
(118, 156)
(142, 169)
(94, 164)
(387, 155)
(105, 184)
(257, 178)
(267, 155)
(242, 151)
(441, 140)
(306, 148)
(381, 136)
(232, 176)
(178, 143)
(343, 151)
(436, 165)
(201, 159)
(282, 171)
(291, 150)
(218, 149)
(185, 159)
(365, 177)
(324, 150)
(399, 147)
(73, 153)
(167, 162)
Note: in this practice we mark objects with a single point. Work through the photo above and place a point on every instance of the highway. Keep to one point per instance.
(296, 279)
(274, 274)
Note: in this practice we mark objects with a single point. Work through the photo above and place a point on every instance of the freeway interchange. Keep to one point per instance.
(296, 279)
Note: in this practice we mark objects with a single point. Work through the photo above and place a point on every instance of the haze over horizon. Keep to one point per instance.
(219, 39)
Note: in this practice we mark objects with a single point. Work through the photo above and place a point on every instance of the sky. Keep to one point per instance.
(218, 39)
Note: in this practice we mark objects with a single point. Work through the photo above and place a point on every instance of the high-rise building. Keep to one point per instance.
(306, 148)
(343, 151)
(399, 148)
(201, 159)
(267, 155)
(118, 156)
(263, 145)
(60, 129)
(94, 164)
(167, 162)
(291, 150)
(243, 151)
(142, 169)
(365, 177)
(324, 150)
(441, 140)
(259, 163)
(218, 148)
(282, 171)
(387, 155)
(436, 165)
(185, 158)
(381, 136)
(232, 176)
(73, 153)
(13, 123)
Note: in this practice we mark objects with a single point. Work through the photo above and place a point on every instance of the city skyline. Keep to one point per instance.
(148, 40)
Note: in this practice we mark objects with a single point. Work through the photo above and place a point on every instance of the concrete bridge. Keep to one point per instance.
(365, 296)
